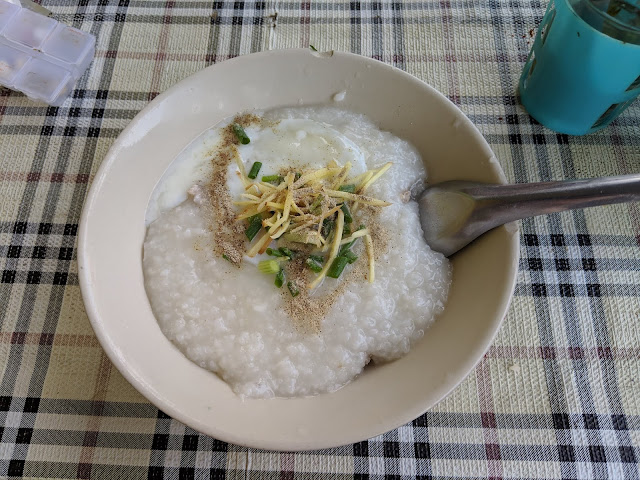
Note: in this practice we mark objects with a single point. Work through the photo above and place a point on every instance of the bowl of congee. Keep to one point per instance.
(251, 257)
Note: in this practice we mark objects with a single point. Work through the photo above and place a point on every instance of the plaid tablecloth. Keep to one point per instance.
(556, 396)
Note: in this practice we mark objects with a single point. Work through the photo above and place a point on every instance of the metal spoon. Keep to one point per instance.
(455, 213)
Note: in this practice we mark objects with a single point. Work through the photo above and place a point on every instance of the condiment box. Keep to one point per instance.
(40, 56)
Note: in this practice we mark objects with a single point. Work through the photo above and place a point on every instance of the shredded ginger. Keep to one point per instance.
(300, 207)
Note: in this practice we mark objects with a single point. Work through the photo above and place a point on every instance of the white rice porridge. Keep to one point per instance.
(234, 322)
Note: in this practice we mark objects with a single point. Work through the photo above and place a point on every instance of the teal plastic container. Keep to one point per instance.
(584, 67)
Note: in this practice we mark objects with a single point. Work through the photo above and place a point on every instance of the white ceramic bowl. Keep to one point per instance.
(383, 397)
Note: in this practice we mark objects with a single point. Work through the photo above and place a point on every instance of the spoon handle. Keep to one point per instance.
(506, 203)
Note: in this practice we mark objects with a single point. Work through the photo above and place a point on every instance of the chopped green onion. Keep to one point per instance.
(240, 134)
(255, 225)
(317, 258)
(224, 255)
(314, 265)
(279, 279)
(327, 227)
(313, 48)
(269, 266)
(286, 252)
(274, 253)
(347, 246)
(297, 176)
(293, 289)
(350, 256)
(350, 188)
(316, 203)
(255, 168)
(347, 214)
(336, 268)
(272, 178)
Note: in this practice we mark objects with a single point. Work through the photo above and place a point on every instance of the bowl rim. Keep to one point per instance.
(88, 295)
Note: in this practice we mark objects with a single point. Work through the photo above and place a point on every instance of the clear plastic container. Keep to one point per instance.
(40, 56)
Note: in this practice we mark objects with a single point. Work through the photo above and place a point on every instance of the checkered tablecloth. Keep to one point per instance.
(556, 396)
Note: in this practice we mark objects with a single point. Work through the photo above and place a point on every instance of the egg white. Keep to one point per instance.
(295, 143)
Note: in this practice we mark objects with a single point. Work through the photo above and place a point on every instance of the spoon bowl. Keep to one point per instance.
(453, 214)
